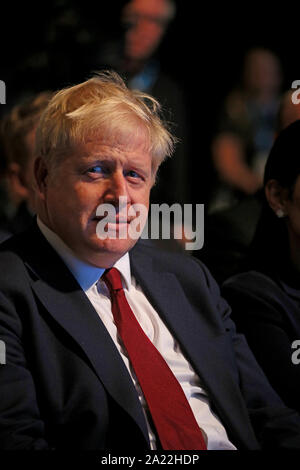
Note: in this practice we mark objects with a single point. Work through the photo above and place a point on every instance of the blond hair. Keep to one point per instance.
(104, 108)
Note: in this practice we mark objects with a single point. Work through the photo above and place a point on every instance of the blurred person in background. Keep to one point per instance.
(246, 129)
(18, 129)
(288, 111)
(4, 233)
(229, 232)
(265, 298)
(145, 23)
(136, 56)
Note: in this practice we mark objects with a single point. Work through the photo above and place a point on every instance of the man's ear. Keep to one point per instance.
(16, 180)
(40, 175)
(154, 172)
(277, 197)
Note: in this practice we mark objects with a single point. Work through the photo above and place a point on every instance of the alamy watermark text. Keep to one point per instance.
(160, 221)
(2, 92)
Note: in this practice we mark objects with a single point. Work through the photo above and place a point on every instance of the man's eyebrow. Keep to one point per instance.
(99, 158)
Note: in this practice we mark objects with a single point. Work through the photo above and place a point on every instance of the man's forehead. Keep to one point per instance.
(119, 141)
(112, 149)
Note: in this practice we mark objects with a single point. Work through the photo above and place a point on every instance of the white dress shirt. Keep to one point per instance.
(89, 278)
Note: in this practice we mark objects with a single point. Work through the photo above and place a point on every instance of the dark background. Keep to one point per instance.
(55, 44)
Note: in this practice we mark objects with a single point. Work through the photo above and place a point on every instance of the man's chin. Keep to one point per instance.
(118, 245)
(104, 253)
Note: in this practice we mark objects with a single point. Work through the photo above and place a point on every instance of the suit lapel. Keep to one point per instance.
(198, 342)
(65, 301)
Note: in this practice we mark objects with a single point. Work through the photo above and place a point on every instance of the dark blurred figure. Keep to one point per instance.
(288, 112)
(3, 195)
(246, 129)
(229, 232)
(18, 141)
(266, 297)
(228, 235)
(136, 57)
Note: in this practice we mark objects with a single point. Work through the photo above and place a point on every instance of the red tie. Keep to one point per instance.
(171, 413)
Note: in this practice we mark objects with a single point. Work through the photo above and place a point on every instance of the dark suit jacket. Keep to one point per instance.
(65, 386)
(266, 309)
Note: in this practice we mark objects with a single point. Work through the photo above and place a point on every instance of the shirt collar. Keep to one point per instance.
(85, 274)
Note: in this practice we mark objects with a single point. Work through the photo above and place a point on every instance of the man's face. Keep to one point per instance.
(97, 173)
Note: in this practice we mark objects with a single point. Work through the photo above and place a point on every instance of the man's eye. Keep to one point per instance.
(133, 174)
(96, 170)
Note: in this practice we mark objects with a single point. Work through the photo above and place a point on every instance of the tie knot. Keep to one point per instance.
(112, 278)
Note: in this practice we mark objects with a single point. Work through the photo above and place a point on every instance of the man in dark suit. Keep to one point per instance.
(72, 378)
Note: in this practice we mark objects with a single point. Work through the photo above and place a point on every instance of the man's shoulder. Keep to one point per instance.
(22, 251)
(27, 257)
(249, 280)
(13, 255)
(257, 286)
(16, 244)
(182, 271)
(180, 263)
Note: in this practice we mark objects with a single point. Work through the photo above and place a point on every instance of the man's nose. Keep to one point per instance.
(116, 187)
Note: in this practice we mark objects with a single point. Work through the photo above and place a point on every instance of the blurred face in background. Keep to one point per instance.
(289, 111)
(19, 133)
(29, 170)
(20, 177)
(262, 72)
(146, 21)
(292, 210)
(287, 200)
